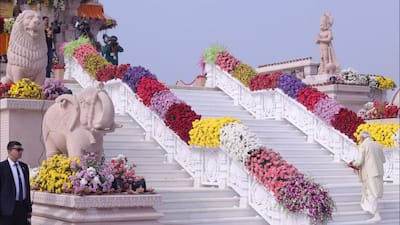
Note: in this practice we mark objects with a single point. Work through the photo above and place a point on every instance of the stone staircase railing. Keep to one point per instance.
(207, 166)
(275, 104)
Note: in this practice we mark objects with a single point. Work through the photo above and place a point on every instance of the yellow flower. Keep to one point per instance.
(381, 133)
(206, 132)
(54, 174)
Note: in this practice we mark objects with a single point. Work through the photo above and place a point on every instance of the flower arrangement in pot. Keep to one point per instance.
(25, 88)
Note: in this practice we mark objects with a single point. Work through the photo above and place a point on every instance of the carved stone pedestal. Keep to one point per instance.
(21, 120)
(113, 209)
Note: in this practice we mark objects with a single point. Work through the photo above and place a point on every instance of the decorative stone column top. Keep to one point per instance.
(96, 201)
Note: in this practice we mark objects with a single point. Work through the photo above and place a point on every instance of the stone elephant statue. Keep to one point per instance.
(75, 125)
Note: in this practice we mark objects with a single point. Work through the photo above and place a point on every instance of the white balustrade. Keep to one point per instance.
(276, 104)
(212, 166)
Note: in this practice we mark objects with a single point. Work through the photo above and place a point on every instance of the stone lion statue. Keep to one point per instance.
(27, 50)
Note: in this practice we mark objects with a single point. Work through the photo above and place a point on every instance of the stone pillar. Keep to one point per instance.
(21, 120)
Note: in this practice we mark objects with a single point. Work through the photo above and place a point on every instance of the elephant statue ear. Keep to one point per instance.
(70, 110)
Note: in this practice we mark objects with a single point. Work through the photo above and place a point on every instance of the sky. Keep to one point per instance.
(169, 37)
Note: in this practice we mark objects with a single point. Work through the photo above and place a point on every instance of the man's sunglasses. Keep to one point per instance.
(19, 149)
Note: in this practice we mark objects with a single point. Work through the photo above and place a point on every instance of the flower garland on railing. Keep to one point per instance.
(244, 73)
(226, 61)
(326, 109)
(133, 75)
(237, 141)
(106, 73)
(161, 101)
(147, 87)
(81, 52)
(206, 132)
(187, 124)
(210, 54)
(120, 71)
(309, 97)
(381, 133)
(179, 118)
(302, 195)
(265, 81)
(290, 85)
(93, 62)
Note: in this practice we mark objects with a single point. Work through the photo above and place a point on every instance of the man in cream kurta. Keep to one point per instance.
(370, 162)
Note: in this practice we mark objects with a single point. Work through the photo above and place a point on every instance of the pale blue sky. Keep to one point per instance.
(168, 37)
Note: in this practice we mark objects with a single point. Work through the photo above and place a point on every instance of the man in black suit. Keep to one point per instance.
(15, 198)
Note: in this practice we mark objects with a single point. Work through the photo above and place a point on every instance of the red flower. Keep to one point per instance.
(4, 88)
(179, 118)
(147, 87)
(309, 96)
(265, 81)
(121, 69)
(105, 73)
(347, 121)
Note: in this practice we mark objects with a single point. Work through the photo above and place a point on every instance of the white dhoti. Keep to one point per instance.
(372, 190)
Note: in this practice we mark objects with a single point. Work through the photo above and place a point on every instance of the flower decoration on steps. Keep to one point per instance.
(302, 195)
(161, 101)
(133, 75)
(210, 54)
(309, 96)
(226, 61)
(71, 46)
(244, 73)
(236, 140)
(106, 73)
(120, 71)
(326, 109)
(290, 85)
(81, 52)
(265, 81)
(179, 118)
(206, 132)
(347, 121)
(147, 87)
(93, 62)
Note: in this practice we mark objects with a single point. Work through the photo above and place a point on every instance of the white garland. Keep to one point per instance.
(236, 140)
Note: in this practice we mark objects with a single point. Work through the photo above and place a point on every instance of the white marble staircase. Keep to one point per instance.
(182, 203)
(310, 158)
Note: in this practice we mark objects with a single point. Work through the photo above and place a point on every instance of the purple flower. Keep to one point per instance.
(290, 84)
(161, 101)
(326, 109)
(134, 74)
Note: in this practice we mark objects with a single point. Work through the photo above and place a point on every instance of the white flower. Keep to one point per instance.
(237, 141)
(96, 180)
(91, 171)
(83, 182)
